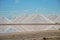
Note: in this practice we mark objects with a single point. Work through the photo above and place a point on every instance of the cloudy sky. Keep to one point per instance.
(10, 8)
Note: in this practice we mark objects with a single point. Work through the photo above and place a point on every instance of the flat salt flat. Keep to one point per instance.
(24, 28)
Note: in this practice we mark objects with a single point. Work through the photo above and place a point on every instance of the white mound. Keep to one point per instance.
(4, 20)
(32, 19)
(18, 19)
(36, 18)
(52, 17)
(57, 20)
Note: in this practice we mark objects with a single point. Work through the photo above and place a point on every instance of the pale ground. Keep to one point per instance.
(36, 35)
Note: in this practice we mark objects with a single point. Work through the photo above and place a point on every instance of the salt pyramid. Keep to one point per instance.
(57, 20)
(4, 20)
(33, 19)
(18, 19)
(36, 18)
(52, 17)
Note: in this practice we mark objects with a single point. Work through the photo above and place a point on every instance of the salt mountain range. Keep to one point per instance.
(29, 19)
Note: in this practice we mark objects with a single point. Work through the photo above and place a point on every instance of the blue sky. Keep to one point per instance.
(10, 8)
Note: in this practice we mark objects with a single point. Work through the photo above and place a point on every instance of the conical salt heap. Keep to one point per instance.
(4, 20)
(32, 19)
(36, 18)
